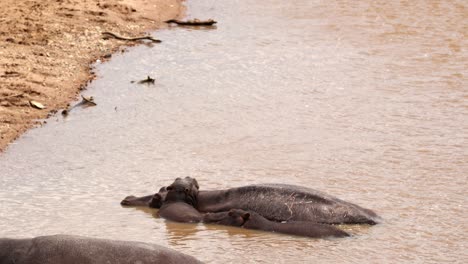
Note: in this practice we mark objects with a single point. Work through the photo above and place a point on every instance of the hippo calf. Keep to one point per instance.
(252, 220)
(60, 249)
(276, 202)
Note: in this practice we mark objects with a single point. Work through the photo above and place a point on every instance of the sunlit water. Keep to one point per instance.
(366, 101)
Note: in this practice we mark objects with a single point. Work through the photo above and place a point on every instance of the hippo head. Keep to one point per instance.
(238, 217)
(185, 190)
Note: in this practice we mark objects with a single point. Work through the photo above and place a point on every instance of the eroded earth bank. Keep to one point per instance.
(46, 47)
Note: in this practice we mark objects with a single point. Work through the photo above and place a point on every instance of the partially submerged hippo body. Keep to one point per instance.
(276, 202)
(252, 220)
(60, 249)
(179, 205)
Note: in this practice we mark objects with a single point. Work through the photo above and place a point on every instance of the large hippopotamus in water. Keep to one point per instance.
(60, 249)
(275, 202)
(180, 202)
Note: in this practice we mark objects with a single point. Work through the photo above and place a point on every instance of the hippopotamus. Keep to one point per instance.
(69, 249)
(180, 202)
(252, 220)
(275, 202)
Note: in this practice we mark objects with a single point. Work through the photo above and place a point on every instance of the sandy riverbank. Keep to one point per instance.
(46, 47)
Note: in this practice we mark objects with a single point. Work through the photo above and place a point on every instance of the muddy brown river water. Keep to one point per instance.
(364, 100)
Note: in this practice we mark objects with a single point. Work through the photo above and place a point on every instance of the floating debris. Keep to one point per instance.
(193, 22)
(36, 104)
(148, 80)
(88, 100)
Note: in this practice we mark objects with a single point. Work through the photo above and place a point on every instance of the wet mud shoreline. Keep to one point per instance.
(47, 47)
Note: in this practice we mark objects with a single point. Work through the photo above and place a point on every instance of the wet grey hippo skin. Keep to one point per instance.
(179, 203)
(276, 202)
(144, 200)
(65, 249)
(252, 220)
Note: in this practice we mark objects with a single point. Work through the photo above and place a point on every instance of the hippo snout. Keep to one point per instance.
(128, 200)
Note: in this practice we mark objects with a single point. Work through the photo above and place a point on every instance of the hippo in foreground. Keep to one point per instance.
(60, 249)
(252, 220)
(276, 202)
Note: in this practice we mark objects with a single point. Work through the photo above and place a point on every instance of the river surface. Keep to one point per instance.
(365, 100)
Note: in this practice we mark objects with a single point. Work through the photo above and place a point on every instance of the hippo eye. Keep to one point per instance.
(230, 213)
(186, 190)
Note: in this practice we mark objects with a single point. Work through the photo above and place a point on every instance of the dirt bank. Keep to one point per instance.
(46, 47)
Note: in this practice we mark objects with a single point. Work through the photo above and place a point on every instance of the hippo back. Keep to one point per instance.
(81, 250)
(283, 202)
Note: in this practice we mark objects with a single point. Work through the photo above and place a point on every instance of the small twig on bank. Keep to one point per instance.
(10, 96)
(131, 39)
(194, 22)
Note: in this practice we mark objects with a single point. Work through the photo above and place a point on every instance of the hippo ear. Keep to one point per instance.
(246, 216)
(196, 183)
(169, 188)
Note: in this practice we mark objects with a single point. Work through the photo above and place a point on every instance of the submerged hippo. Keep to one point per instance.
(276, 202)
(61, 249)
(252, 220)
